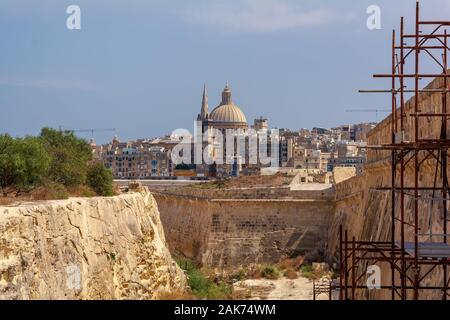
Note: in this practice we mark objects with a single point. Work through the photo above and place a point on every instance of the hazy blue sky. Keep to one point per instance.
(139, 66)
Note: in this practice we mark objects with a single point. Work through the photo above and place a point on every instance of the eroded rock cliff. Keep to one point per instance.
(86, 248)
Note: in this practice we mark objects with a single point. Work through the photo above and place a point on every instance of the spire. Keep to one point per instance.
(226, 95)
(204, 112)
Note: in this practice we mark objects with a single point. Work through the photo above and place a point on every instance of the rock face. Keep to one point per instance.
(86, 248)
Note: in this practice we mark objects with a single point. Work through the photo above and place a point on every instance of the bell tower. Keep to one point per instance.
(203, 116)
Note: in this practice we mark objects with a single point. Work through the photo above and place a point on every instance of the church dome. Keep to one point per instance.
(227, 112)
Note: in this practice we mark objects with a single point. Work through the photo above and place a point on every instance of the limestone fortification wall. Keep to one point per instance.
(86, 248)
(366, 213)
(187, 223)
(283, 192)
(230, 232)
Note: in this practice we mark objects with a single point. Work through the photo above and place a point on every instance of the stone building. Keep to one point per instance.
(137, 160)
(260, 124)
(347, 154)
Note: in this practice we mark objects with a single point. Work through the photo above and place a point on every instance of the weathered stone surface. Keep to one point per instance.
(86, 248)
(315, 191)
(230, 233)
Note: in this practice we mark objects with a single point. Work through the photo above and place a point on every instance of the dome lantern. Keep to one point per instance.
(226, 95)
(226, 115)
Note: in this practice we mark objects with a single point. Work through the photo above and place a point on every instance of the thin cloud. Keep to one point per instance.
(46, 83)
(63, 84)
(261, 16)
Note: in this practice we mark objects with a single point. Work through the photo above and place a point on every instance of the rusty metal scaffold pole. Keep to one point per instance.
(411, 260)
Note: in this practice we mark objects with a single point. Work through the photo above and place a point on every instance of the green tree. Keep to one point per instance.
(100, 179)
(10, 162)
(23, 162)
(69, 156)
(36, 161)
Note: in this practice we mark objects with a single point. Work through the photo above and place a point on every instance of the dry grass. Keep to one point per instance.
(175, 295)
(80, 191)
(11, 196)
(179, 295)
(291, 274)
(276, 180)
(263, 271)
(255, 273)
(6, 201)
(48, 191)
(291, 263)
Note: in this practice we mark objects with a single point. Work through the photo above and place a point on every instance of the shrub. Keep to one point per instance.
(240, 275)
(308, 272)
(23, 162)
(51, 166)
(219, 291)
(185, 263)
(307, 268)
(201, 286)
(69, 156)
(100, 179)
(270, 272)
(11, 164)
(36, 160)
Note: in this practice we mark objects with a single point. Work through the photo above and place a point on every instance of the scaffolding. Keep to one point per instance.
(411, 262)
(323, 287)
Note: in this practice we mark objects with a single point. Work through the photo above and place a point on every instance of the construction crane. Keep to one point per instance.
(92, 131)
(376, 111)
(368, 110)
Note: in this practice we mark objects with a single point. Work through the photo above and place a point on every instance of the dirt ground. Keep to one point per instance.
(280, 289)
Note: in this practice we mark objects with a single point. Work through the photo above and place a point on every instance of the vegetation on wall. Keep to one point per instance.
(53, 164)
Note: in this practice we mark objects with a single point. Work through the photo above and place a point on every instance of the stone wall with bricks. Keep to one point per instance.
(230, 233)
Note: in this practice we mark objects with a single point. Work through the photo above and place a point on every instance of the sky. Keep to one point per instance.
(139, 66)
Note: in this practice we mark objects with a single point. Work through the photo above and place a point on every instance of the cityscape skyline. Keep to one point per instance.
(120, 71)
(225, 150)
